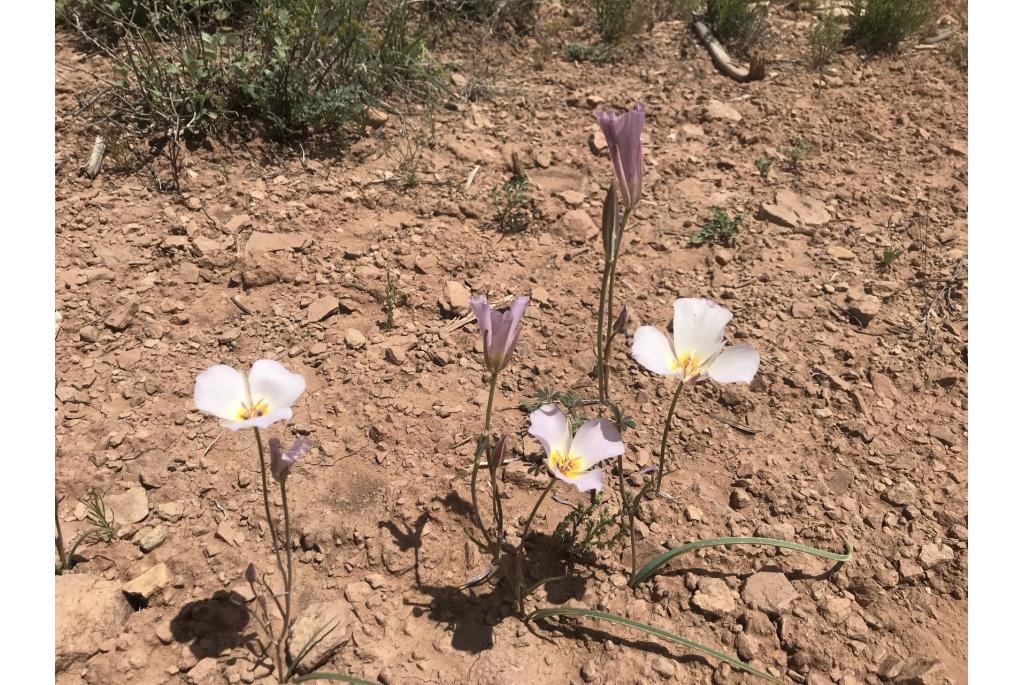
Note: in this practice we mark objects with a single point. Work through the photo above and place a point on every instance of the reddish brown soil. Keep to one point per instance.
(855, 430)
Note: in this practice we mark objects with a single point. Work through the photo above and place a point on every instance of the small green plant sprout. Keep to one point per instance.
(795, 153)
(764, 167)
(512, 211)
(720, 230)
(587, 528)
(390, 299)
(881, 25)
(824, 41)
(102, 527)
(889, 257)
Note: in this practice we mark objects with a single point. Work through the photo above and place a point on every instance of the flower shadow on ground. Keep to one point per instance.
(215, 625)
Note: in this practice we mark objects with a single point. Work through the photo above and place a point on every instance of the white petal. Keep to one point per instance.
(735, 365)
(270, 382)
(264, 421)
(653, 351)
(221, 391)
(698, 326)
(551, 428)
(591, 480)
(596, 441)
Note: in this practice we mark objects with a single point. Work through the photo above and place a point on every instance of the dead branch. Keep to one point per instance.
(92, 167)
(721, 59)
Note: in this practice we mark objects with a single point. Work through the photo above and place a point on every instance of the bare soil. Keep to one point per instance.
(854, 427)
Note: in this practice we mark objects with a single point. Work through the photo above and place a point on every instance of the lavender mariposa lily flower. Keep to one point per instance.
(696, 349)
(569, 457)
(263, 398)
(623, 133)
(281, 461)
(500, 329)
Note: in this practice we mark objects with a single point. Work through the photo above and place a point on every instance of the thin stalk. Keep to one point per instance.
(60, 538)
(486, 443)
(522, 545)
(602, 391)
(610, 305)
(266, 502)
(625, 512)
(664, 435)
(288, 580)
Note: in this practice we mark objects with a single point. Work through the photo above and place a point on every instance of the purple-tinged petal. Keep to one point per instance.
(596, 441)
(281, 461)
(514, 317)
(551, 428)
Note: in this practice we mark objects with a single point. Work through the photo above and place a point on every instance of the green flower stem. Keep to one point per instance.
(602, 390)
(482, 447)
(610, 306)
(60, 538)
(266, 503)
(652, 566)
(626, 513)
(664, 435)
(288, 582)
(522, 545)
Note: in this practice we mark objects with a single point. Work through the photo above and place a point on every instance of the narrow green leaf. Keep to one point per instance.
(319, 634)
(319, 675)
(657, 632)
(652, 566)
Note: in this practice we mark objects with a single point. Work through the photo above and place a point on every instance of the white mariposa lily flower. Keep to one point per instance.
(262, 399)
(569, 457)
(697, 349)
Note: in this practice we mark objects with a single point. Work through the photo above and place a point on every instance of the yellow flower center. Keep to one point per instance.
(688, 364)
(568, 465)
(251, 411)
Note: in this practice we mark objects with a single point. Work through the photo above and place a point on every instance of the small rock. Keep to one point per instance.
(131, 506)
(739, 499)
(396, 354)
(455, 298)
(149, 583)
(573, 198)
(693, 513)
(837, 610)
(540, 295)
(933, 554)
(426, 264)
(120, 318)
(578, 226)
(723, 256)
(260, 243)
(89, 610)
(663, 667)
(354, 339)
(921, 671)
(793, 211)
(322, 308)
(943, 434)
(802, 310)
(864, 309)
(883, 386)
(376, 117)
(153, 538)
(901, 494)
(718, 110)
(770, 592)
(597, 143)
(229, 534)
(235, 223)
(840, 252)
(714, 597)
(590, 671)
(206, 672)
(375, 580)
(909, 570)
(170, 511)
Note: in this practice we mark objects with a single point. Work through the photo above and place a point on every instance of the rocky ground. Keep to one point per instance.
(855, 426)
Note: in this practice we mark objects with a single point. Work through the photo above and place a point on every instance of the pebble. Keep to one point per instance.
(153, 538)
(354, 339)
(148, 583)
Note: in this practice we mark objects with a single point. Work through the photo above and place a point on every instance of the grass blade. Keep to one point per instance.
(332, 676)
(651, 630)
(314, 639)
(652, 566)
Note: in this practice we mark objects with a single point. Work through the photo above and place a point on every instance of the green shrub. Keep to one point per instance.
(519, 15)
(738, 23)
(824, 40)
(721, 229)
(617, 19)
(293, 66)
(880, 25)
